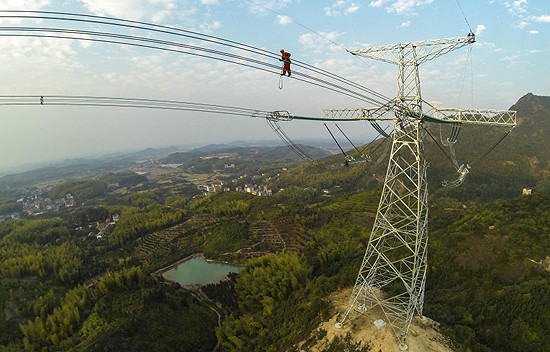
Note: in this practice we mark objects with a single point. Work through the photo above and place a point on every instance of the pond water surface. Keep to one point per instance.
(197, 271)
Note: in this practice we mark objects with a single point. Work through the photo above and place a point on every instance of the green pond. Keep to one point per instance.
(197, 271)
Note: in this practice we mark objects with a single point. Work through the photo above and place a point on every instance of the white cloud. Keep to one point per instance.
(406, 7)
(535, 51)
(377, 3)
(342, 7)
(509, 58)
(352, 9)
(29, 5)
(209, 2)
(521, 24)
(480, 29)
(283, 20)
(261, 7)
(161, 14)
(32, 48)
(25, 4)
(487, 45)
(517, 8)
(314, 42)
(534, 32)
(85, 43)
(405, 24)
(542, 18)
(56, 61)
(154, 10)
(308, 39)
(208, 28)
(401, 7)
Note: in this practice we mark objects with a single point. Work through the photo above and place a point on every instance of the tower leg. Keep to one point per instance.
(393, 272)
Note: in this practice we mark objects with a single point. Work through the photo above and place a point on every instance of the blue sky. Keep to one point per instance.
(509, 59)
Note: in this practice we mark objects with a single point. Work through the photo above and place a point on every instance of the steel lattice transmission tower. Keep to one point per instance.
(393, 272)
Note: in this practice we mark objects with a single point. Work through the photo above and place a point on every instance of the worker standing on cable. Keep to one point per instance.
(285, 58)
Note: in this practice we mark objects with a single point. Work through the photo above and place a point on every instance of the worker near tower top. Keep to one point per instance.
(285, 58)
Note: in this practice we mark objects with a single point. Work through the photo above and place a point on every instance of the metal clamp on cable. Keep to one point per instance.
(279, 115)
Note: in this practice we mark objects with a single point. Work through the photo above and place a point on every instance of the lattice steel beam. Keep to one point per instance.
(431, 114)
(425, 50)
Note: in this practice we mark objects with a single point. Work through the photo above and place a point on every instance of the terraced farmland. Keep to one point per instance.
(168, 245)
(164, 247)
(282, 234)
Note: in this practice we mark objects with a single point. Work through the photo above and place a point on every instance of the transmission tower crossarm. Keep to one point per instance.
(374, 113)
(431, 114)
(425, 50)
(471, 116)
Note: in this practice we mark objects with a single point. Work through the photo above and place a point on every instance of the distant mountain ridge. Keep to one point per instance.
(276, 153)
(78, 167)
(520, 160)
(532, 133)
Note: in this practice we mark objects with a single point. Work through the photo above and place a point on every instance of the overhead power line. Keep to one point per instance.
(228, 51)
(138, 103)
(141, 103)
(464, 15)
(73, 26)
(272, 117)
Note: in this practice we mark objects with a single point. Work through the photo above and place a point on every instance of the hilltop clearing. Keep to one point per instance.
(424, 334)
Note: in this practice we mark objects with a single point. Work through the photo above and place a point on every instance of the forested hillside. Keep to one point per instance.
(280, 153)
(487, 284)
(489, 270)
(217, 158)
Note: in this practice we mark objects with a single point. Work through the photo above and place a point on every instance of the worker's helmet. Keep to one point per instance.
(282, 50)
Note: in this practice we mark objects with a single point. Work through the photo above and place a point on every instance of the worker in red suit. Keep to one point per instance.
(285, 58)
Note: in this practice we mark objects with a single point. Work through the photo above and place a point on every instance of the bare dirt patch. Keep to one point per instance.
(423, 334)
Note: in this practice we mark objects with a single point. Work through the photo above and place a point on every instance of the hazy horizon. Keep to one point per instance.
(175, 148)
